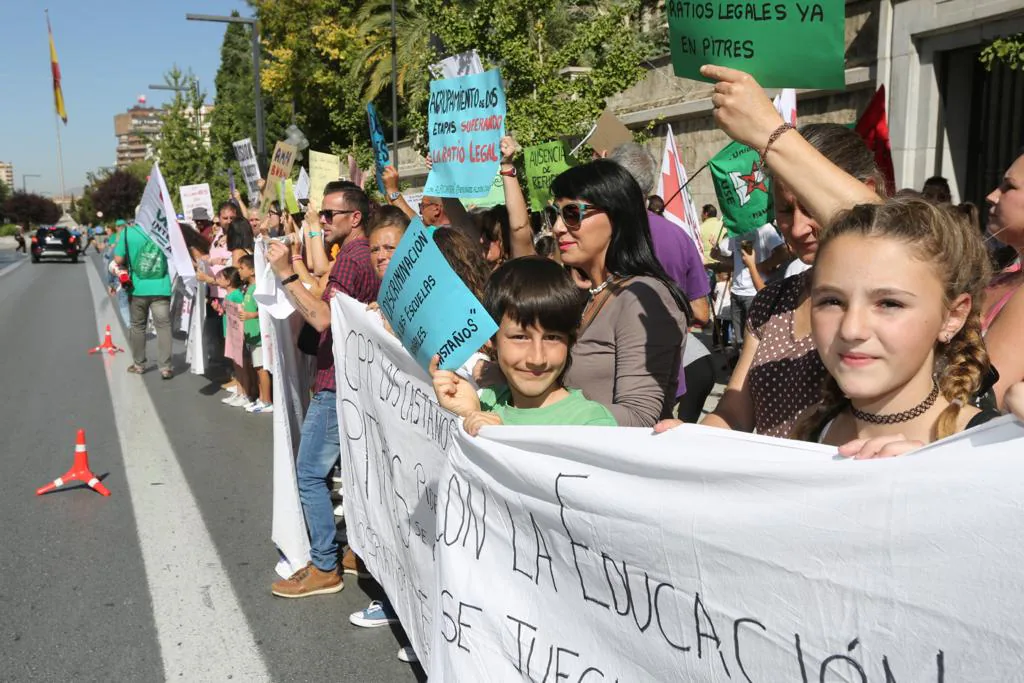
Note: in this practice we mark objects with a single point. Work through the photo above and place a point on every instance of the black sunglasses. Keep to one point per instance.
(329, 214)
(574, 213)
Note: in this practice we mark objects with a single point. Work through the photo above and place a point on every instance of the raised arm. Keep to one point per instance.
(520, 232)
(744, 112)
(316, 311)
(390, 177)
(316, 253)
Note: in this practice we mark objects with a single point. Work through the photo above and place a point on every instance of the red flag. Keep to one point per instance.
(873, 128)
(58, 94)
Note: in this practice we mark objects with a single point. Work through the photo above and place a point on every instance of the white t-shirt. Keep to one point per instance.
(795, 267)
(766, 240)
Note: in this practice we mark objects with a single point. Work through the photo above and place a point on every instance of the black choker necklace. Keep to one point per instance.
(896, 418)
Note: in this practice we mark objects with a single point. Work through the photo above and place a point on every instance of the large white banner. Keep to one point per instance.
(601, 554)
(156, 218)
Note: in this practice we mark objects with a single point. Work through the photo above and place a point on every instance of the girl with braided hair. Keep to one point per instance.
(896, 295)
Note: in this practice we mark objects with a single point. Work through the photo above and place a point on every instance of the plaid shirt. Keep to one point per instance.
(353, 275)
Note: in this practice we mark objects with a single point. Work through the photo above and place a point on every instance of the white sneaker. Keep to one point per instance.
(339, 511)
(233, 389)
(407, 654)
(228, 399)
(265, 408)
(239, 401)
(254, 407)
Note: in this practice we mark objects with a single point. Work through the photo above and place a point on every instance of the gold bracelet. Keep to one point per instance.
(776, 134)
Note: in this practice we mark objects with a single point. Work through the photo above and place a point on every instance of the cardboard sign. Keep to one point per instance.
(280, 168)
(466, 122)
(782, 44)
(323, 168)
(609, 133)
(194, 197)
(250, 167)
(429, 306)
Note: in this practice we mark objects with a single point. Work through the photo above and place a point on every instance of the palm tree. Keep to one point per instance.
(413, 49)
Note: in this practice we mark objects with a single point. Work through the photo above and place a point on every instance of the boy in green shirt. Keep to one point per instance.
(253, 340)
(538, 309)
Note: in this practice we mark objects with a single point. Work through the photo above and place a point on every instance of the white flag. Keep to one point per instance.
(785, 104)
(679, 207)
(156, 218)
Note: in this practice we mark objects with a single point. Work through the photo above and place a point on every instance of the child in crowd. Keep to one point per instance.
(896, 296)
(231, 282)
(253, 341)
(538, 310)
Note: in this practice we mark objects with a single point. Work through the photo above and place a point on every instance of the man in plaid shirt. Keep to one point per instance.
(344, 212)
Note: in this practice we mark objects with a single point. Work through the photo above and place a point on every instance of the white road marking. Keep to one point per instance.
(202, 631)
(11, 267)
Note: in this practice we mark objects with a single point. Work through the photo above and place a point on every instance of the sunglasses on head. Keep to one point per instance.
(573, 213)
(329, 214)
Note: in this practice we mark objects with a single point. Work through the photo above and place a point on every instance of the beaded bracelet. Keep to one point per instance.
(776, 134)
(296, 257)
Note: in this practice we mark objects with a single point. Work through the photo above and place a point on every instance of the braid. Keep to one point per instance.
(966, 362)
(810, 422)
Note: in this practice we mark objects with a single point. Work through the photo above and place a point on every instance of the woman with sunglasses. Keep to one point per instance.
(635, 319)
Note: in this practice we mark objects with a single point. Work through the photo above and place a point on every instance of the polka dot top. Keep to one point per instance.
(787, 374)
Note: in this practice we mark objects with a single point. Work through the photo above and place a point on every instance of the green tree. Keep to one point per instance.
(5, 192)
(560, 60)
(234, 110)
(1008, 50)
(185, 156)
(29, 209)
(311, 48)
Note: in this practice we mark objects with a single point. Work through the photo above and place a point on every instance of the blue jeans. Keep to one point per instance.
(319, 450)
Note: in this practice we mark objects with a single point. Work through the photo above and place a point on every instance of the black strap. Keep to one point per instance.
(127, 252)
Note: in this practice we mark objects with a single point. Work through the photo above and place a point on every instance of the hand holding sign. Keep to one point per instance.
(453, 393)
(389, 175)
(742, 109)
(509, 149)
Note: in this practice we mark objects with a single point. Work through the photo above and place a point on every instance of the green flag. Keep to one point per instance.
(543, 163)
(744, 189)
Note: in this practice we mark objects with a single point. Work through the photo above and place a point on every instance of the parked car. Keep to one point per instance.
(54, 242)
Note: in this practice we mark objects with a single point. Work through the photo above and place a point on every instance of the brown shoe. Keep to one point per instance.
(351, 564)
(308, 581)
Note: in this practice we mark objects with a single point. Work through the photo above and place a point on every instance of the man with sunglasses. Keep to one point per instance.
(345, 209)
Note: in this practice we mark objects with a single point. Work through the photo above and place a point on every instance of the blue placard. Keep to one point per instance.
(428, 306)
(466, 123)
(381, 156)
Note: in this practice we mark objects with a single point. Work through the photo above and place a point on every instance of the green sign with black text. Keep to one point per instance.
(782, 44)
(543, 163)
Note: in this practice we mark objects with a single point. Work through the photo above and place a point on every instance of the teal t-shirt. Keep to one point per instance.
(573, 410)
(234, 297)
(146, 263)
(249, 305)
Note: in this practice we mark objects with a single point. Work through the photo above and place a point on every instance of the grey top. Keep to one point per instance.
(627, 358)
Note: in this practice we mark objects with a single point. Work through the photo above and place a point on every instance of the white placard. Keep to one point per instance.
(246, 156)
(194, 197)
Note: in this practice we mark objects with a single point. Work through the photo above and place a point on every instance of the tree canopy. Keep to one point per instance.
(27, 208)
(116, 196)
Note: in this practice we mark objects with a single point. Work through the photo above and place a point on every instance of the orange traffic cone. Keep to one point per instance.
(79, 471)
(107, 345)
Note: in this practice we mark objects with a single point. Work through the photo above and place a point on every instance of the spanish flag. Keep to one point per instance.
(58, 95)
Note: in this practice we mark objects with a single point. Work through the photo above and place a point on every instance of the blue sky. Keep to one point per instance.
(110, 52)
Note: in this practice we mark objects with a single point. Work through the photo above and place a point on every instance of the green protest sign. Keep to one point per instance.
(743, 188)
(783, 44)
(543, 163)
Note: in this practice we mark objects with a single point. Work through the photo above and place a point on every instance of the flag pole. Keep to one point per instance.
(60, 158)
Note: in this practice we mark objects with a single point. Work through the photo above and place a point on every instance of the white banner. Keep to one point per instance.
(600, 554)
(194, 197)
(156, 218)
(195, 349)
(246, 156)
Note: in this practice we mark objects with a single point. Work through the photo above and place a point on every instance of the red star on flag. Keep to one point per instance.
(754, 180)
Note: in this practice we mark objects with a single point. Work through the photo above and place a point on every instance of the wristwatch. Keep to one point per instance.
(392, 196)
(511, 173)
(290, 279)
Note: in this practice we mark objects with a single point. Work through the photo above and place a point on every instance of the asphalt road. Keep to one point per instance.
(169, 577)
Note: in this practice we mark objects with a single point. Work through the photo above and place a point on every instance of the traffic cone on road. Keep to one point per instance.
(107, 345)
(79, 471)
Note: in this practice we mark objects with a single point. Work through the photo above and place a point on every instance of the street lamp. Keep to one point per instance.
(261, 143)
(28, 175)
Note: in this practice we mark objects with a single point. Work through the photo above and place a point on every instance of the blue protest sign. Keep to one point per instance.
(381, 156)
(428, 306)
(466, 123)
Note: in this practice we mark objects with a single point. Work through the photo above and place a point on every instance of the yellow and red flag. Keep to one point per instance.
(58, 94)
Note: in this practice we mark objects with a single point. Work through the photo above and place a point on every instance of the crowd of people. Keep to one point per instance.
(871, 323)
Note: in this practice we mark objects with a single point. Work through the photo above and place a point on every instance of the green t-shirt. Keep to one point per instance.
(573, 410)
(146, 263)
(249, 305)
(234, 297)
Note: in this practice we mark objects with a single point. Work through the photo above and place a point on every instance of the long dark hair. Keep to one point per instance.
(240, 235)
(607, 185)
